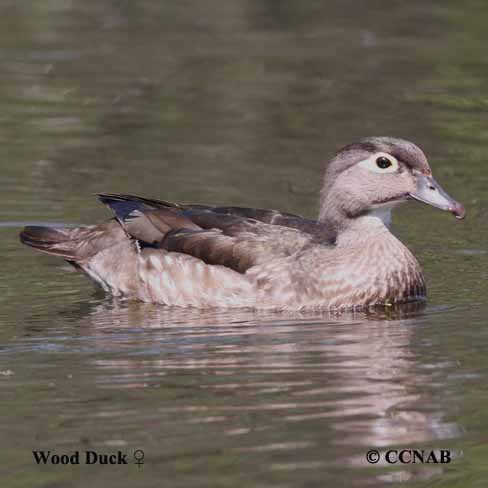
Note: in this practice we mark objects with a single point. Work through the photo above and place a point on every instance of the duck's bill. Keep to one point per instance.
(430, 192)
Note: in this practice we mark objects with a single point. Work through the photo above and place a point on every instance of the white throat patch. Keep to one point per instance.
(383, 214)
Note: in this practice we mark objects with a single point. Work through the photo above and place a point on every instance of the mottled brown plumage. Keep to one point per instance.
(197, 255)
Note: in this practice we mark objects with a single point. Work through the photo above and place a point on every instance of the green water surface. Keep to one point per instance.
(239, 102)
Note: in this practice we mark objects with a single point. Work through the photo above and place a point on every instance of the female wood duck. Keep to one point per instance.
(202, 256)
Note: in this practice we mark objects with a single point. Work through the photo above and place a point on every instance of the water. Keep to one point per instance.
(238, 102)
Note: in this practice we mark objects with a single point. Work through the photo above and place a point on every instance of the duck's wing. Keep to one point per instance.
(207, 216)
(237, 238)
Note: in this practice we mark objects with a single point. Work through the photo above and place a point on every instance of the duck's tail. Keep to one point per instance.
(104, 252)
(58, 241)
(78, 244)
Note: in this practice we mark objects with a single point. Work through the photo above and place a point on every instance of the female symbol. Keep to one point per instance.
(139, 457)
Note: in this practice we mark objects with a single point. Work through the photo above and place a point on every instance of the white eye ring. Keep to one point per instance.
(374, 162)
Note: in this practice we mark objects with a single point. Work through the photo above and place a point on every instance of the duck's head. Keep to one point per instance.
(373, 175)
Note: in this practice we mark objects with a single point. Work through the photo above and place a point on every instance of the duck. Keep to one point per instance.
(204, 256)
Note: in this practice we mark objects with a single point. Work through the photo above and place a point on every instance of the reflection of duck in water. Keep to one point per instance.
(194, 255)
(365, 378)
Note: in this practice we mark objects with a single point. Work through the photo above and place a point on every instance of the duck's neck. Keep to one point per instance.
(374, 225)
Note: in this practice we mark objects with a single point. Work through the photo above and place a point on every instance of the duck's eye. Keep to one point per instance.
(383, 162)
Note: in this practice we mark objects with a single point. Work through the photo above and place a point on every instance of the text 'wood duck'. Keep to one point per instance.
(202, 256)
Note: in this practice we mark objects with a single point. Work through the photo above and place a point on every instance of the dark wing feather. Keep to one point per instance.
(238, 238)
(213, 247)
(239, 252)
(207, 216)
